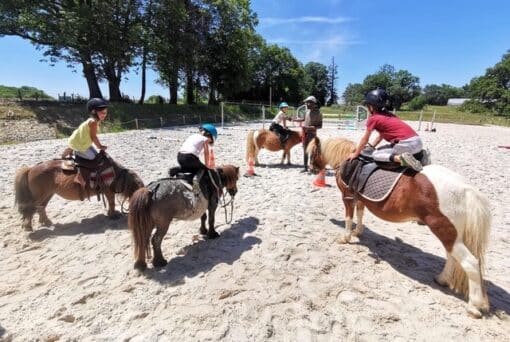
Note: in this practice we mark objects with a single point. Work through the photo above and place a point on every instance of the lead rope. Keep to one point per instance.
(222, 198)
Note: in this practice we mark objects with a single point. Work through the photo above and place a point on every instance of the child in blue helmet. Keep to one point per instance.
(188, 156)
(279, 123)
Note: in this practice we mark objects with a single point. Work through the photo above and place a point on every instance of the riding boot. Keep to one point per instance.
(173, 171)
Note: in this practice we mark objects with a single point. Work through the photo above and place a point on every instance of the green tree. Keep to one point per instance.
(439, 94)
(316, 81)
(492, 90)
(354, 94)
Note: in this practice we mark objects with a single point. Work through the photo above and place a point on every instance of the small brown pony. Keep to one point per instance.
(456, 213)
(263, 138)
(36, 185)
(164, 200)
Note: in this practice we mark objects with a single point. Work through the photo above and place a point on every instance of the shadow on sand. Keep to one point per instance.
(205, 254)
(421, 266)
(94, 225)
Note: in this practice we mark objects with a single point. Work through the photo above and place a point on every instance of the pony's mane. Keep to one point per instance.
(334, 150)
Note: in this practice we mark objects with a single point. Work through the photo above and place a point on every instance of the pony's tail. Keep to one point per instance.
(140, 222)
(23, 199)
(250, 146)
(475, 235)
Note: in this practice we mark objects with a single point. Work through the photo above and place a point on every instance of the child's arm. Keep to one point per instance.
(361, 145)
(93, 135)
(206, 153)
(376, 141)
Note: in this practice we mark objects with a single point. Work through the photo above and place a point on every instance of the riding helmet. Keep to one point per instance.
(96, 103)
(377, 98)
(283, 105)
(209, 128)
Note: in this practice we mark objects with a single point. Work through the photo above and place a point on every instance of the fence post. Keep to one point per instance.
(263, 116)
(433, 119)
(419, 121)
(183, 119)
(222, 117)
(136, 123)
(161, 121)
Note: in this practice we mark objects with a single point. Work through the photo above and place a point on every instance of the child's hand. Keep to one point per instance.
(352, 156)
(103, 147)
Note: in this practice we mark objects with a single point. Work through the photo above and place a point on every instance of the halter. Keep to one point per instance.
(221, 196)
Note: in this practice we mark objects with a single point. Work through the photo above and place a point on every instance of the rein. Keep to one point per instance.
(221, 197)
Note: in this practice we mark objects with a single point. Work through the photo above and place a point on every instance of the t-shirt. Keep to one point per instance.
(194, 144)
(80, 139)
(390, 127)
(280, 117)
(313, 117)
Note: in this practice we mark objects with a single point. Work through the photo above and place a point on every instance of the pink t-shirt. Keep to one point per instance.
(390, 127)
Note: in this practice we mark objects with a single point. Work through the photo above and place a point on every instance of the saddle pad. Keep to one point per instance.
(380, 184)
(107, 176)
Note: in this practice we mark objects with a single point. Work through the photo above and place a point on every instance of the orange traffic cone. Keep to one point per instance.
(320, 180)
(212, 162)
(251, 170)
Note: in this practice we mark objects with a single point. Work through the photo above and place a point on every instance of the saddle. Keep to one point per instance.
(93, 174)
(374, 180)
(176, 173)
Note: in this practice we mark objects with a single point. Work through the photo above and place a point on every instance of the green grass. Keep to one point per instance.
(445, 114)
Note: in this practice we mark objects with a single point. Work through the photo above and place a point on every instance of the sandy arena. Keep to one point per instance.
(274, 274)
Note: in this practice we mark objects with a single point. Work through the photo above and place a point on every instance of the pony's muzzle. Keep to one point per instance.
(232, 192)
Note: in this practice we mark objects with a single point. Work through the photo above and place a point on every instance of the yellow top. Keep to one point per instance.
(80, 140)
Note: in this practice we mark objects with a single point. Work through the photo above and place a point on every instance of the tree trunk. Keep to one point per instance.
(144, 80)
(174, 87)
(113, 83)
(190, 93)
(90, 76)
(212, 94)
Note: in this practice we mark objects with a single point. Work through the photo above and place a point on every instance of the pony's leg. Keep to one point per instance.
(41, 210)
(203, 229)
(478, 302)
(211, 233)
(349, 211)
(360, 207)
(157, 239)
(110, 197)
(446, 232)
(444, 277)
(257, 150)
(26, 224)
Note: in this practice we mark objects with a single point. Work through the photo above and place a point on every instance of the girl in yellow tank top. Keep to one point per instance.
(85, 135)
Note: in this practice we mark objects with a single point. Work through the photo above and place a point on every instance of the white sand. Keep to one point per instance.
(274, 274)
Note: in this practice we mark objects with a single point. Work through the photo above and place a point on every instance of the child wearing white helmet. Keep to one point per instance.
(279, 123)
(188, 156)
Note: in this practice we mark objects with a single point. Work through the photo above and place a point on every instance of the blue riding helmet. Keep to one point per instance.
(283, 105)
(210, 129)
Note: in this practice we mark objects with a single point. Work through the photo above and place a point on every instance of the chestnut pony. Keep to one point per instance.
(164, 200)
(456, 213)
(263, 138)
(36, 185)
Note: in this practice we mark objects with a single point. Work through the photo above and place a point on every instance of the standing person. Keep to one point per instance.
(313, 121)
(279, 123)
(188, 156)
(404, 141)
(85, 135)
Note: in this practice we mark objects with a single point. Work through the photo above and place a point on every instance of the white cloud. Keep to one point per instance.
(271, 21)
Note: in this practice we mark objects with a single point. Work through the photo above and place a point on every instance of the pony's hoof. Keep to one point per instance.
(473, 311)
(203, 231)
(46, 223)
(343, 240)
(140, 266)
(27, 228)
(213, 235)
(159, 263)
(440, 281)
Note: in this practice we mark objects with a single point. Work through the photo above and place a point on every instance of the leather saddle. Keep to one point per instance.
(90, 174)
(374, 180)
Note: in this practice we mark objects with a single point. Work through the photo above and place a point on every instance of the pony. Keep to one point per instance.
(35, 186)
(456, 213)
(171, 198)
(263, 138)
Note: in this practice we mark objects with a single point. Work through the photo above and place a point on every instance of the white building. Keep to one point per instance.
(456, 101)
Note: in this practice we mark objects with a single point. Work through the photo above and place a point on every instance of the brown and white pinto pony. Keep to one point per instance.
(263, 138)
(36, 185)
(456, 213)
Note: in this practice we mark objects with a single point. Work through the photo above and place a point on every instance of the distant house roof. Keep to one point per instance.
(456, 101)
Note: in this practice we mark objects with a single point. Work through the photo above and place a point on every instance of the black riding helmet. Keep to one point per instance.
(377, 98)
(96, 103)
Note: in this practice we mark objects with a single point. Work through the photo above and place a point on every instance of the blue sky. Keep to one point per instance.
(448, 41)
